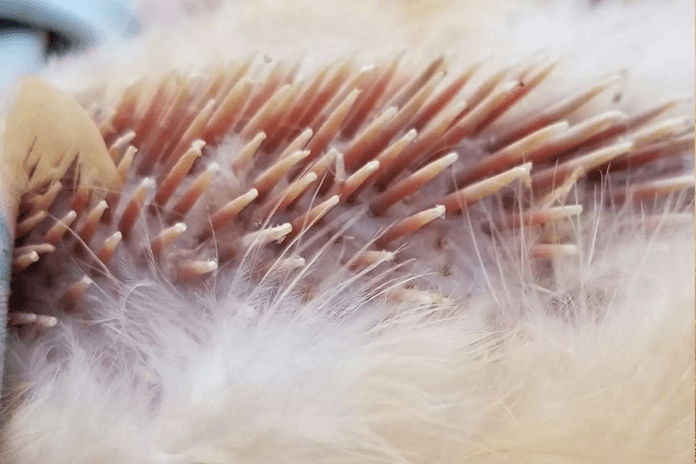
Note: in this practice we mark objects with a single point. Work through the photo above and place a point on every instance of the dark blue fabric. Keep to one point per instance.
(6, 244)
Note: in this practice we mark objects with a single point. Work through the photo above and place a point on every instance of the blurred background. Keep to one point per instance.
(31, 31)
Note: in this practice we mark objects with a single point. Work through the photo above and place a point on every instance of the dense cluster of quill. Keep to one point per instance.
(252, 160)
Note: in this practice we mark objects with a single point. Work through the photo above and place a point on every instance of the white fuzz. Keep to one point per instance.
(596, 368)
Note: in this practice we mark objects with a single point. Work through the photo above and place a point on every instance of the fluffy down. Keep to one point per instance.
(578, 359)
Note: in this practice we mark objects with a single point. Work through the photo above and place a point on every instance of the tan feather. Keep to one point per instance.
(47, 133)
